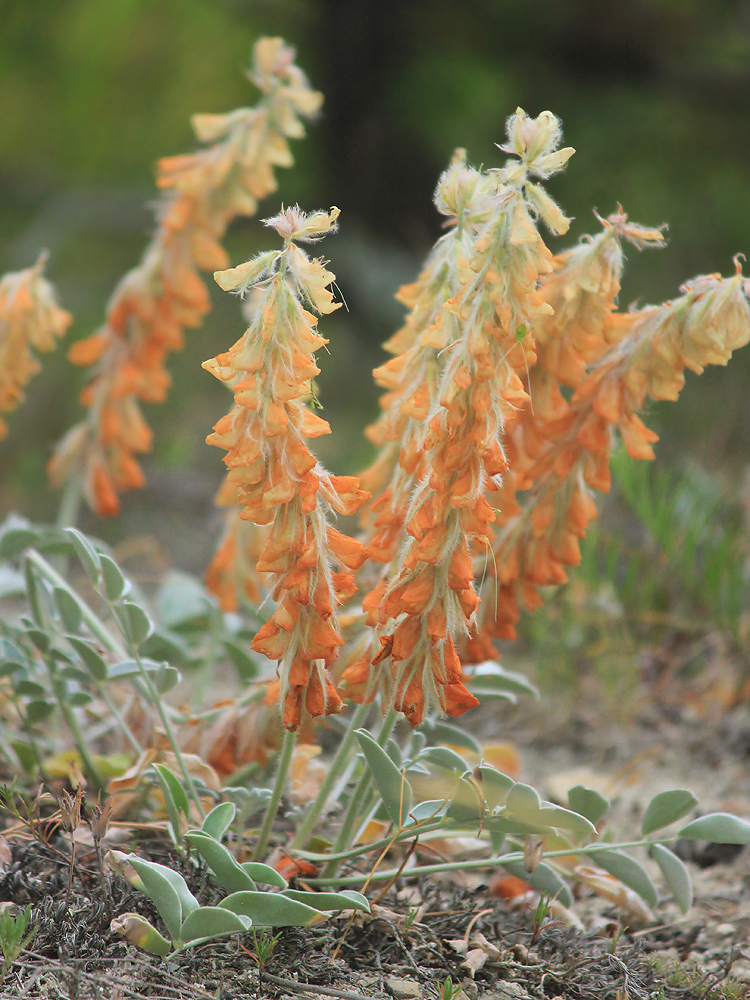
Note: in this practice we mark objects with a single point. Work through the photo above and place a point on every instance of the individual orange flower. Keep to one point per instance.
(276, 479)
(165, 293)
(30, 319)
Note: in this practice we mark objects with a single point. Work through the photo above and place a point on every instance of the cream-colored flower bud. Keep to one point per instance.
(457, 189)
(239, 279)
(516, 128)
(294, 224)
(548, 209)
(551, 163)
(542, 135)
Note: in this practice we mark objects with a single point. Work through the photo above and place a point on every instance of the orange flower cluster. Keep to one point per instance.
(30, 318)
(278, 481)
(427, 600)
(562, 455)
(413, 375)
(165, 293)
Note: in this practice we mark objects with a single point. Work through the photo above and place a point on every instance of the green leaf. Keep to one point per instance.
(39, 710)
(229, 873)
(73, 673)
(467, 803)
(444, 757)
(87, 554)
(134, 623)
(666, 808)
(129, 668)
(492, 677)
(675, 875)
(264, 873)
(138, 931)
(68, 609)
(160, 646)
(12, 583)
(447, 735)
(11, 655)
(209, 922)
(347, 899)
(588, 802)
(158, 883)
(183, 602)
(219, 820)
(629, 872)
(496, 786)
(33, 593)
(245, 665)
(428, 809)
(524, 806)
(175, 799)
(166, 678)
(718, 828)
(91, 660)
(270, 909)
(80, 698)
(394, 789)
(115, 584)
(27, 688)
(39, 638)
(487, 693)
(523, 802)
(13, 541)
(567, 820)
(544, 879)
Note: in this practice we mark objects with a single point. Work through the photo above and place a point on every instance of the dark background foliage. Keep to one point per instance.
(654, 95)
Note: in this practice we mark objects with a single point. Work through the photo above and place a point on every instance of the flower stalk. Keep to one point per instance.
(165, 293)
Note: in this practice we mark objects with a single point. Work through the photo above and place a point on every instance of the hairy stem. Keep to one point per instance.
(334, 770)
(285, 759)
(353, 810)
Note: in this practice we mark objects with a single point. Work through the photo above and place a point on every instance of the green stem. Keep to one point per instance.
(70, 502)
(126, 730)
(155, 700)
(91, 619)
(353, 810)
(449, 866)
(285, 759)
(72, 723)
(208, 666)
(96, 626)
(332, 775)
(359, 850)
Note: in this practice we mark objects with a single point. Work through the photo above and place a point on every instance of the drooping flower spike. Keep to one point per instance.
(277, 480)
(30, 319)
(165, 293)
(582, 290)
(651, 349)
(427, 601)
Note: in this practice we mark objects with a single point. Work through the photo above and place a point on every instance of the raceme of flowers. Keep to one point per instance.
(277, 480)
(471, 357)
(165, 293)
(571, 451)
(30, 320)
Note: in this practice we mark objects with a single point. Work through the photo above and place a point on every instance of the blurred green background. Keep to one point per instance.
(654, 95)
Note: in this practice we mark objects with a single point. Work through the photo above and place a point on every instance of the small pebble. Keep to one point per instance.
(724, 930)
(469, 987)
(520, 953)
(403, 989)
